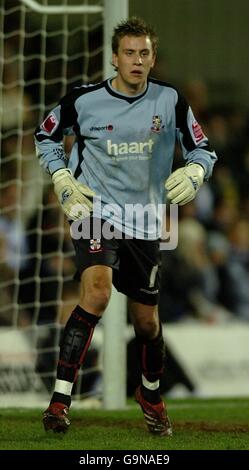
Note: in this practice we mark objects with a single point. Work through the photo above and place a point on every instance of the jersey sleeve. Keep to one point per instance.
(194, 143)
(49, 135)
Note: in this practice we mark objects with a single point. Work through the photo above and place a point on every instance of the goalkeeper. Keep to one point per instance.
(125, 130)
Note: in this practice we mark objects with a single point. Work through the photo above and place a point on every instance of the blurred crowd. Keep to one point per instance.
(207, 276)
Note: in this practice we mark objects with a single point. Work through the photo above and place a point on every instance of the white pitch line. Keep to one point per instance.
(185, 406)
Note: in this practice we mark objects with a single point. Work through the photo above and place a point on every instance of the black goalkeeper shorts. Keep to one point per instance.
(136, 264)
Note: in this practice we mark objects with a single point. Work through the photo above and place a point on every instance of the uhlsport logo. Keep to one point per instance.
(108, 127)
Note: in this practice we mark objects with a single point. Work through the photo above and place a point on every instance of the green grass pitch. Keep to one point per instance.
(198, 425)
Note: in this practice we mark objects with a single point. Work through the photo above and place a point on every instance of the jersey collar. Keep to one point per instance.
(122, 96)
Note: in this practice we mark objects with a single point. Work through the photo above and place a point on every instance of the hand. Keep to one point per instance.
(76, 199)
(183, 184)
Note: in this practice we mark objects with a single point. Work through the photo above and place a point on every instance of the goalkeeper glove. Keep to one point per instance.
(76, 199)
(183, 184)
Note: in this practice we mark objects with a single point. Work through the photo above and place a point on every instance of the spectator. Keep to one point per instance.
(232, 272)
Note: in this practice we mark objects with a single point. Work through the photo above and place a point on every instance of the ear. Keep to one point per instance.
(115, 60)
(153, 61)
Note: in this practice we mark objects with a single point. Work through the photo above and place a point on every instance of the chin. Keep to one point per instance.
(137, 80)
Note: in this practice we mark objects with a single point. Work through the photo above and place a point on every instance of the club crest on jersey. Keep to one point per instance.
(157, 123)
(198, 132)
(95, 245)
(50, 123)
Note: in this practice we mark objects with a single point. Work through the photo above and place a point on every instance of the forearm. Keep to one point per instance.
(204, 157)
(51, 155)
(49, 136)
(194, 143)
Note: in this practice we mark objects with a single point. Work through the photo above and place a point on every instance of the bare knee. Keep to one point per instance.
(98, 294)
(147, 329)
(95, 290)
(145, 319)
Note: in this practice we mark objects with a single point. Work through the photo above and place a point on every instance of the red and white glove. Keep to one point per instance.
(183, 184)
(76, 199)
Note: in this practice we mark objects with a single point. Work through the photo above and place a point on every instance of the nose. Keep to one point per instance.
(138, 60)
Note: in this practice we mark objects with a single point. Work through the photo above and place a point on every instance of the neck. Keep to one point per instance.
(128, 88)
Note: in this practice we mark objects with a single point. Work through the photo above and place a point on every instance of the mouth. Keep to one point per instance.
(137, 73)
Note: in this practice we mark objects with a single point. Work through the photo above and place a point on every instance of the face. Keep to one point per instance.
(134, 60)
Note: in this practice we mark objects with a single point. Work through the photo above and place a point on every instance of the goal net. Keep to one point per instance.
(43, 55)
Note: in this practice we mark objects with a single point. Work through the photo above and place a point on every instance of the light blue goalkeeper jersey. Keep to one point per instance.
(124, 147)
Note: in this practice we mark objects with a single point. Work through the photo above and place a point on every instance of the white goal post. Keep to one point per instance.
(111, 12)
(61, 9)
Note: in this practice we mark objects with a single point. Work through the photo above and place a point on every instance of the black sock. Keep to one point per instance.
(75, 342)
(61, 398)
(152, 396)
(151, 354)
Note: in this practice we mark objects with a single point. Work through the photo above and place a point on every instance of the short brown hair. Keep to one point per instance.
(133, 27)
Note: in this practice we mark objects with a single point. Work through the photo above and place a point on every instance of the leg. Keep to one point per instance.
(95, 290)
(96, 282)
(150, 347)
